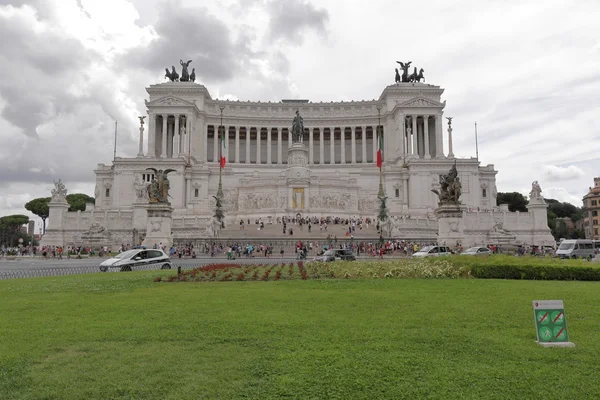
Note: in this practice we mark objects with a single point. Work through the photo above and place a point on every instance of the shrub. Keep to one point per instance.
(536, 272)
(157, 279)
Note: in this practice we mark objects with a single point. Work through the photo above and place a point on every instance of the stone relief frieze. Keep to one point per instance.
(255, 201)
(334, 201)
(367, 204)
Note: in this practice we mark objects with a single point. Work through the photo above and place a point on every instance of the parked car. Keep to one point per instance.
(128, 260)
(433, 251)
(336, 254)
(477, 251)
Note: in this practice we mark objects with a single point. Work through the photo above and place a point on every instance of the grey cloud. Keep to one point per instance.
(45, 62)
(291, 19)
(192, 34)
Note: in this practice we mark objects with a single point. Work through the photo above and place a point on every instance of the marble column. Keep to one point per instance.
(450, 152)
(279, 140)
(364, 144)
(163, 151)
(176, 138)
(376, 133)
(439, 137)
(311, 159)
(353, 146)
(216, 144)
(141, 141)
(415, 143)
(408, 135)
(426, 135)
(343, 145)
(237, 144)
(189, 129)
(289, 139)
(226, 138)
(331, 145)
(321, 146)
(269, 145)
(151, 135)
(402, 135)
(247, 145)
(258, 135)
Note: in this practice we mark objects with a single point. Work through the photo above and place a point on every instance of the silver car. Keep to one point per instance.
(128, 260)
(433, 251)
(477, 251)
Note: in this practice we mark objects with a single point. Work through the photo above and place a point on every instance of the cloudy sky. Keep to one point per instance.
(527, 71)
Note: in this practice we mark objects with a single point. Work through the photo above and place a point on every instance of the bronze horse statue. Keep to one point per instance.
(173, 76)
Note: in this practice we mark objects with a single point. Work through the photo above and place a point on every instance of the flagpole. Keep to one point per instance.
(115, 151)
(220, 188)
(380, 194)
(476, 144)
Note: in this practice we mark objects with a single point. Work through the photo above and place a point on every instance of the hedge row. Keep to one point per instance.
(536, 272)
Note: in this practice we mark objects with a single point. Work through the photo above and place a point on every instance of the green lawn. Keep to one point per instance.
(121, 336)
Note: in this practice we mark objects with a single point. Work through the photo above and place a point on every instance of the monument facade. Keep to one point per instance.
(289, 158)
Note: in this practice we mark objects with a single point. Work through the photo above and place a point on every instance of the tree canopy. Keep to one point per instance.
(40, 208)
(515, 200)
(9, 228)
(77, 201)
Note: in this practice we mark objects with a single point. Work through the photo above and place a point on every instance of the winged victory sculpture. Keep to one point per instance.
(158, 189)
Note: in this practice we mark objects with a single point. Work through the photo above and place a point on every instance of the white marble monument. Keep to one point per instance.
(330, 170)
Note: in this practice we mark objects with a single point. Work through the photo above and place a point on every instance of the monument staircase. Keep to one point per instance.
(275, 231)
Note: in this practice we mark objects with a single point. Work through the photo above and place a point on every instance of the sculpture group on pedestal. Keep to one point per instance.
(406, 77)
(450, 187)
(185, 75)
(59, 193)
(158, 189)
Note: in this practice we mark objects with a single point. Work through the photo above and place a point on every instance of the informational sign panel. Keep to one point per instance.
(551, 323)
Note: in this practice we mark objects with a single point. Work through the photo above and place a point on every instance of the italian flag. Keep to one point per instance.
(222, 150)
(379, 148)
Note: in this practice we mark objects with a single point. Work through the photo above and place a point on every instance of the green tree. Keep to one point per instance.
(77, 201)
(9, 227)
(40, 208)
(515, 200)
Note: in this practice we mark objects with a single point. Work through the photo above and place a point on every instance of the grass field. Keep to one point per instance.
(121, 336)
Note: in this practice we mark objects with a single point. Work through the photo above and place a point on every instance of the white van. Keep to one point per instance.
(576, 248)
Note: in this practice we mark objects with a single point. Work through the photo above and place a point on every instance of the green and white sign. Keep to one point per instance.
(551, 323)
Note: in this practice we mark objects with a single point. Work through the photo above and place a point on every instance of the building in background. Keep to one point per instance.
(591, 208)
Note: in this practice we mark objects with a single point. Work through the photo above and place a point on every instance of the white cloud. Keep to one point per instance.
(562, 195)
(556, 173)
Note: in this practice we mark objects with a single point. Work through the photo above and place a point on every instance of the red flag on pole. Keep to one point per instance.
(222, 150)
(379, 148)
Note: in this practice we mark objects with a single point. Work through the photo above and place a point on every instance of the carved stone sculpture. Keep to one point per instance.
(397, 79)
(141, 189)
(536, 191)
(450, 187)
(193, 75)
(297, 128)
(158, 189)
(59, 193)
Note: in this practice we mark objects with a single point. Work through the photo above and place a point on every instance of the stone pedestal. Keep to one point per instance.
(55, 232)
(298, 178)
(451, 228)
(541, 234)
(158, 226)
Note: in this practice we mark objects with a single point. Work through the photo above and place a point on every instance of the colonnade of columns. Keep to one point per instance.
(330, 145)
(171, 137)
(422, 136)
